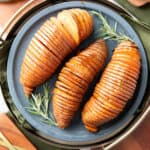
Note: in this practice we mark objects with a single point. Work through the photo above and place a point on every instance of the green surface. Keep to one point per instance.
(142, 13)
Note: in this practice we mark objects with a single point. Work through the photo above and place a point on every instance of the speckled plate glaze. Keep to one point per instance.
(76, 134)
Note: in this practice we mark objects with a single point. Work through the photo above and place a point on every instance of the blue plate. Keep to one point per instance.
(76, 134)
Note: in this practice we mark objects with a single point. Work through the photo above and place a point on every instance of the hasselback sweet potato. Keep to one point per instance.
(74, 80)
(55, 39)
(115, 88)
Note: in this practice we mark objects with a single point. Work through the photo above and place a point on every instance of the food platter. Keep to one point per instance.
(76, 133)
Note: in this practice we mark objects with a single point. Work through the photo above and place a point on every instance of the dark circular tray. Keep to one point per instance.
(76, 134)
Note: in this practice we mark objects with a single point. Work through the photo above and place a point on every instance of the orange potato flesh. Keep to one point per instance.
(115, 88)
(76, 75)
(56, 38)
(70, 23)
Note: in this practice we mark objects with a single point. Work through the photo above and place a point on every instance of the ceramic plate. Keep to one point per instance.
(76, 134)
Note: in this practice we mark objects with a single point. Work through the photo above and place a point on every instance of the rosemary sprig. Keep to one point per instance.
(107, 32)
(39, 105)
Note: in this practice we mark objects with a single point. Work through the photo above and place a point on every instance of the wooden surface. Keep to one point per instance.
(138, 140)
(8, 9)
(13, 135)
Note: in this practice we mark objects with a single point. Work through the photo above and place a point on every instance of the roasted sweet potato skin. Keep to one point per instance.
(55, 39)
(74, 79)
(115, 88)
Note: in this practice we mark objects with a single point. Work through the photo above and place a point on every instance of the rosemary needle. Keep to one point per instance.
(107, 32)
(39, 105)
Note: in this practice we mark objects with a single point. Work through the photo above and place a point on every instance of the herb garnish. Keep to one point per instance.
(107, 32)
(39, 105)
